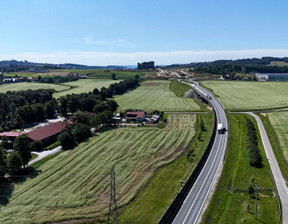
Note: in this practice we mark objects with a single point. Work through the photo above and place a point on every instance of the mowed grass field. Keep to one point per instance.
(106, 73)
(85, 85)
(231, 202)
(237, 95)
(155, 95)
(29, 85)
(76, 183)
(279, 121)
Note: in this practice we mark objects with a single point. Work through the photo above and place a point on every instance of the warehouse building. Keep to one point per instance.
(272, 76)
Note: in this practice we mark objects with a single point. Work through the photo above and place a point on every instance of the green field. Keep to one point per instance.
(106, 73)
(75, 184)
(237, 95)
(230, 200)
(30, 85)
(279, 121)
(155, 198)
(155, 95)
(85, 85)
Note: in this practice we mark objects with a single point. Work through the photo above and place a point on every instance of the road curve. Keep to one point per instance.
(191, 208)
(279, 180)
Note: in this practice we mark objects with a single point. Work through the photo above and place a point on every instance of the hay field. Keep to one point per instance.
(279, 121)
(85, 85)
(155, 95)
(237, 95)
(75, 184)
(31, 85)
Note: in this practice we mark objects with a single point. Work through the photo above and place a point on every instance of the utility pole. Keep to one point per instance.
(113, 215)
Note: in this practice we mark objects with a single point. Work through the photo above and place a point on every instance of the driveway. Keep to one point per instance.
(43, 154)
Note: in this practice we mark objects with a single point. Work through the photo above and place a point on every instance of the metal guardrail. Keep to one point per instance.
(176, 204)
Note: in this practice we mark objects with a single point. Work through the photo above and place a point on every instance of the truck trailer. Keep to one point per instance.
(220, 128)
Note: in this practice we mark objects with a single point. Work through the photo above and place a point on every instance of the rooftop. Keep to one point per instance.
(42, 133)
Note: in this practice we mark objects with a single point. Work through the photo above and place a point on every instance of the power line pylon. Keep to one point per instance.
(113, 215)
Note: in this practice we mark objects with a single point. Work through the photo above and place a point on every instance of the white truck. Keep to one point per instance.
(220, 128)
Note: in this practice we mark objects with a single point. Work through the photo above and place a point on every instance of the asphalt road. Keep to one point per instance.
(192, 207)
(279, 180)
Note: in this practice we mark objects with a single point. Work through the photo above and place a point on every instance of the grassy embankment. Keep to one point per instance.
(276, 127)
(151, 203)
(230, 200)
(243, 96)
(179, 88)
(155, 95)
(75, 184)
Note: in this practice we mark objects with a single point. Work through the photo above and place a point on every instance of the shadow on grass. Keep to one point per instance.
(7, 185)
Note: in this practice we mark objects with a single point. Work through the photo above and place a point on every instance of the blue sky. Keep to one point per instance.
(103, 32)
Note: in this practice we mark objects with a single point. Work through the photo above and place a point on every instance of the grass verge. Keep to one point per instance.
(33, 156)
(179, 88)
(231, 202)
(160, 191)
(275, 145)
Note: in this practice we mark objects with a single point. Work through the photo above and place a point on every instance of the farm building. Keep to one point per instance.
(11, 135)
(47, 133)
(272, 76)
(155, 118)
(136, 115)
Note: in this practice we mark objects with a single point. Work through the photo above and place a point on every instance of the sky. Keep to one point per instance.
(124, 32)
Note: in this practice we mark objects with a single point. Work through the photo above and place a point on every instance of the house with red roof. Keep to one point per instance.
(47, 133)
(135, 115)
(10, 135)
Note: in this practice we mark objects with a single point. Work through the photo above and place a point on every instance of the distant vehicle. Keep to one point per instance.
(221, 129)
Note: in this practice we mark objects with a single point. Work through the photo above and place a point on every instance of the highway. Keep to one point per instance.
(192, 206)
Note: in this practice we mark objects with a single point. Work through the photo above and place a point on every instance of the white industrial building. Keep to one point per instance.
(272, 76)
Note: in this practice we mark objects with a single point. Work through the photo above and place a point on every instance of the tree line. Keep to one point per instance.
(254, 153)
(22, 107)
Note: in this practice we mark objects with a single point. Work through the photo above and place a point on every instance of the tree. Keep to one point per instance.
(3, 162)
(39, 113)
(49, 109)
(81, 132)
(67, 140)
(96, 91)
(113, 75)
(22, 146)
(113, 104)
(14, 163)
(81, 117)
(36, 146)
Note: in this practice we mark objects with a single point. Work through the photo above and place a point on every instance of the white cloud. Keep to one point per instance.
(110, 43)
(160, 58)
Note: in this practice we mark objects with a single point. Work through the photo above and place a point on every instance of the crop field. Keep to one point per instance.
(75, 184)
(106, 73)
(28, 85)
(85, 85)
(155, 95)
(237, 95)
(279, 121)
